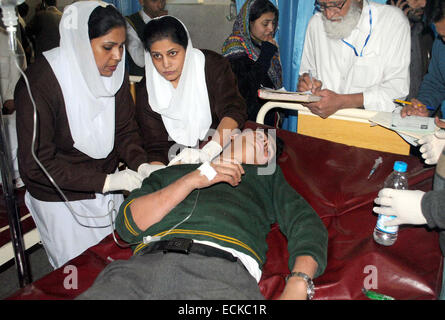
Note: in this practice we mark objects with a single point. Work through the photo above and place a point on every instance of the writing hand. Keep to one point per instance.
(308, 83)
(417, 108)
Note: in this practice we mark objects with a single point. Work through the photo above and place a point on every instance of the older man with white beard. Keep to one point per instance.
(356, 55)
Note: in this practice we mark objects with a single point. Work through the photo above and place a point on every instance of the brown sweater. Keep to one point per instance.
(225, 101)
(78, 175)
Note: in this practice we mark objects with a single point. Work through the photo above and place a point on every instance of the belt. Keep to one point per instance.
(186, 246)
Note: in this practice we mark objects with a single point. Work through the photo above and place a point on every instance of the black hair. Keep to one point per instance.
(23, 9)
(49, 3)
(260, 7)
(103, 19)
(435, 11)
(165, 27)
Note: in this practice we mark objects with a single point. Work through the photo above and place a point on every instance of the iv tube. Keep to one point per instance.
(10, 20)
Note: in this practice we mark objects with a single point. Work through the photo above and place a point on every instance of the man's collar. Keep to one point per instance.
(145, 17)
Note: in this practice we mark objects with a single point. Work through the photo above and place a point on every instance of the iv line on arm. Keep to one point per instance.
(10, 20)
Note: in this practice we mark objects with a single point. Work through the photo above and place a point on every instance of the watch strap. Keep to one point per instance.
(307, 279)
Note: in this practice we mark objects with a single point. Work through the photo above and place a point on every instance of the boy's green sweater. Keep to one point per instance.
(236, 217)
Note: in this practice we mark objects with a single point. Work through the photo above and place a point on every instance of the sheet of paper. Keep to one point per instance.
(409, 129)
(412, 123)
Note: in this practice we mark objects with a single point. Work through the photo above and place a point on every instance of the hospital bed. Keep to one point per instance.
(332, 177)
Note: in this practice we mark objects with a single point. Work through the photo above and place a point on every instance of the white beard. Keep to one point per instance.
(342, 27)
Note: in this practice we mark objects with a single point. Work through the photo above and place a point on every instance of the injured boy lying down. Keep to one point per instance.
(198, 231)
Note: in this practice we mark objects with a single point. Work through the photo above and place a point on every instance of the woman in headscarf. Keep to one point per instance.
(186, 96)
(254, 55)
(85, 127)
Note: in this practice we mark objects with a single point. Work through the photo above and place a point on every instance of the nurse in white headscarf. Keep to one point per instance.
(187, 96)
(85, 127)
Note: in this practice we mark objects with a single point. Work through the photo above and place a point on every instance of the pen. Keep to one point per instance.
(311, 77)
(410, 103)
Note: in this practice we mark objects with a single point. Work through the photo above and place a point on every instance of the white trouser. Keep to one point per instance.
(63, 236)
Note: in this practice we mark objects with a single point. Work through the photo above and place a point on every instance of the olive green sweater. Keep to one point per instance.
(236, 217)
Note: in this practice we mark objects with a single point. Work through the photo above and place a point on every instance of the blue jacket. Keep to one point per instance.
(432, 89)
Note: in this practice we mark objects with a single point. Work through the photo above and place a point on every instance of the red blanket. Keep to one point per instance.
(333, 179)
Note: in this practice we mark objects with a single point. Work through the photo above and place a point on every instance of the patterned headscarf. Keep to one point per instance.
(240, 42)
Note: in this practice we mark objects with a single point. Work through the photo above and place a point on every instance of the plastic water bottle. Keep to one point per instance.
(396, 180)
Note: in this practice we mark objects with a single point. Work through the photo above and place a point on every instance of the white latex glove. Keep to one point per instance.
(405, 205)
(146, 169)
(432, 146)
(122, 180)
(190, 155)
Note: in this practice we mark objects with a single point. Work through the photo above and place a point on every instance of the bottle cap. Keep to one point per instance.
(400, 166)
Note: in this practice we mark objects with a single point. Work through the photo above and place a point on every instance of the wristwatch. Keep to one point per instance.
(309, 282)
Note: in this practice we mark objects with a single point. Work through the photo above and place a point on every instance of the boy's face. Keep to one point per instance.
(250, 147)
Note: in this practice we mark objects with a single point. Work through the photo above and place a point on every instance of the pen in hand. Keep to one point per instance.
(311, 78)
(311, 85)
(410, 103)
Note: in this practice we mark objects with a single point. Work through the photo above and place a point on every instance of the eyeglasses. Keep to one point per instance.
(323, 6)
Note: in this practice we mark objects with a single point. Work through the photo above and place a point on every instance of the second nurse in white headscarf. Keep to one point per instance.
(186, 92)
(85, 127)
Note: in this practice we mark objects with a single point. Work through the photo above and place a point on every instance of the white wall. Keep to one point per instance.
(206, 22)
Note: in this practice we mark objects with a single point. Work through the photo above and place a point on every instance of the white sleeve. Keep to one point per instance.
(135, 47)
(396, 75)
(307, 59)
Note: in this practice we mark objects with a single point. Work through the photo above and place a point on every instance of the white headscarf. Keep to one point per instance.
(89, 97)
(185, 110)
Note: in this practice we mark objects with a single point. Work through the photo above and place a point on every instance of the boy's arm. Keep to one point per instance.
(296, 287)
(152, 208)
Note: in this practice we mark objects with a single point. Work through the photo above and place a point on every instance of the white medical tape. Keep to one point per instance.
(207, 170)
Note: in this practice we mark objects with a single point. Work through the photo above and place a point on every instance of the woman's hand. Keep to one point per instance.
(432, 145)
(272, 40)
